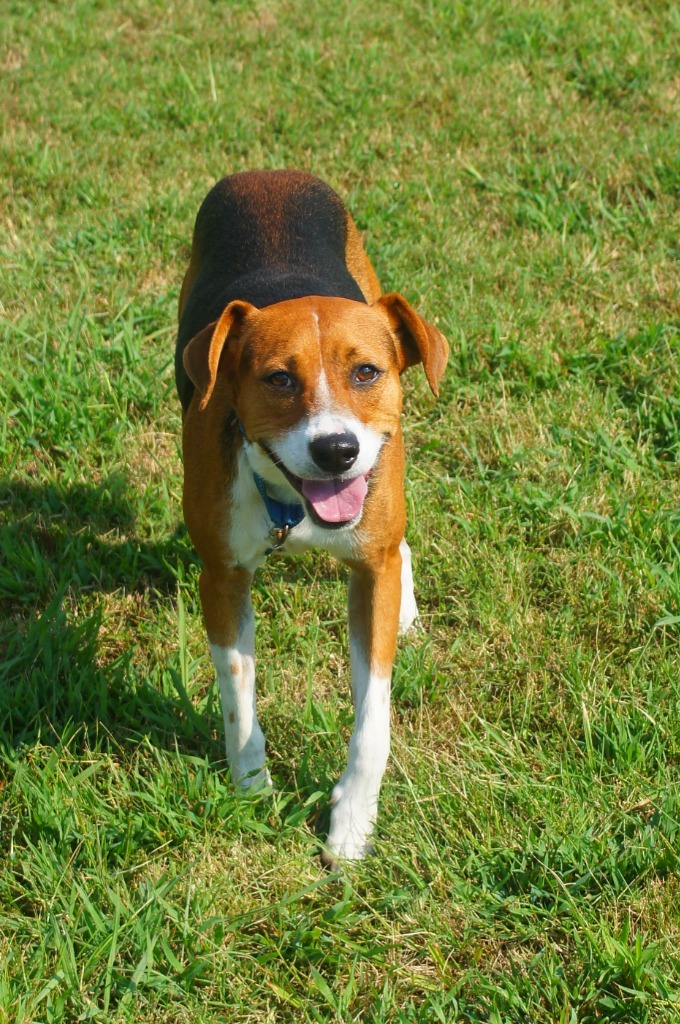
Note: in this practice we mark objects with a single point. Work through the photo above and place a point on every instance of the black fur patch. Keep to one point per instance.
(264, 237)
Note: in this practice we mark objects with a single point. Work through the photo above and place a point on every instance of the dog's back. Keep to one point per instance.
(263, 237)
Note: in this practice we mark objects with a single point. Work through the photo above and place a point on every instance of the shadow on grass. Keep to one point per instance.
(83, 537)
(54, 678)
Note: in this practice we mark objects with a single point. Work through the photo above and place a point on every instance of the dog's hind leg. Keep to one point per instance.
(408, 609)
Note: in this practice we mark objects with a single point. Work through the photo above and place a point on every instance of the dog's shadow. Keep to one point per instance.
(59, 543)
(64, 678)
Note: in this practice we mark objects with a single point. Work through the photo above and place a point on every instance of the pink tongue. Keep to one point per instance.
(336, 501)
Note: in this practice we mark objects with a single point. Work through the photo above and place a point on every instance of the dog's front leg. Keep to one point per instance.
(374, 597)
(228, 612)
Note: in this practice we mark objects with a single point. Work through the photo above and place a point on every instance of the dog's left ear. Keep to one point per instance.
(416, 340)
(202, 355)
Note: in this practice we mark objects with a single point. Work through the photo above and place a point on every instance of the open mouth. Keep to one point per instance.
(336, 502)
(332, 502)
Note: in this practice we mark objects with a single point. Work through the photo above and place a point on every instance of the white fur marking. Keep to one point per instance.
(249, 523)
(408, 611)
(323, 399)
(355, 797)
(235, 668)
(293, 447)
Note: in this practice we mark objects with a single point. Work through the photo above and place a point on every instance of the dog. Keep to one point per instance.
(288, 366)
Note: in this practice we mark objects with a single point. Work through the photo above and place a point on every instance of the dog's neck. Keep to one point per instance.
(284, 515)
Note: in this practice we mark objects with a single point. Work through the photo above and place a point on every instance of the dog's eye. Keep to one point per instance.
(366, 373)
(281, 379)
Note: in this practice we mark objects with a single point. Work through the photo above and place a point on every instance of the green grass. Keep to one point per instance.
(513, 167)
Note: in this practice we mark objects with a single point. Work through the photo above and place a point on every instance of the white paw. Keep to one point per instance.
(410, 622)
(352, 821)
(255, 781)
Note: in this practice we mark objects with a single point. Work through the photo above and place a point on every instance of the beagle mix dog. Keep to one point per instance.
(287, 364)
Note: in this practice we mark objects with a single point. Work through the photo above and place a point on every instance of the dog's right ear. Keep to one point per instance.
(202, 355)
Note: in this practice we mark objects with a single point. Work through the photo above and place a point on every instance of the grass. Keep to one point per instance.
(512, 167)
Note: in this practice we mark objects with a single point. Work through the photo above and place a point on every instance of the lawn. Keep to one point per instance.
(513, 168)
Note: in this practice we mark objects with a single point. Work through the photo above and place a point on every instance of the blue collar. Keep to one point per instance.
(284, 517)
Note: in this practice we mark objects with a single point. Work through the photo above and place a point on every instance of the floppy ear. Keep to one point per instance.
(201, 357)
(417, 341)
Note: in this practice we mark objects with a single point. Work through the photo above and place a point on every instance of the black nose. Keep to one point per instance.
(334, 453)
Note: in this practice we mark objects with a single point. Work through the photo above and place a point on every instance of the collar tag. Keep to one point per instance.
(278, 535)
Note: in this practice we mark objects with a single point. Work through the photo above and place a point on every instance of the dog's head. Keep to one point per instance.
(315, 384)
